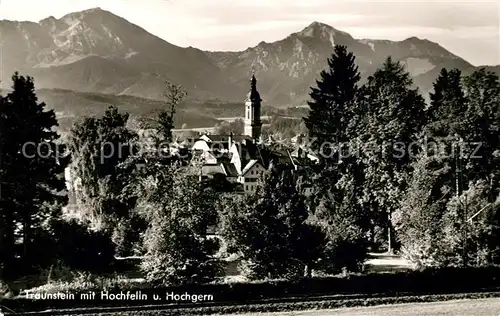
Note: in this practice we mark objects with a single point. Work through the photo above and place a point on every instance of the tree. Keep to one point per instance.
(226, 128)
(179, 209)
(102, 153)
(285, 127)
(473, 241)
(174, 94)
(74, 245)
(432, 174)
(449, 214)
(333, 119)
(332, 104)
(482, 159)
(32, 166)
(341, 216)
(448, 103)
(394, 118)
(269, 229)
(477, 174)
(419, 220)
(7, 224)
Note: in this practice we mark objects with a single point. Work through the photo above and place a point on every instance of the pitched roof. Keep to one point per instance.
(230, 169)
(211, 170)
(217, 138)
(302, 161)
(249, 166)
(225, 138)
(252, 153)
(262, 153)
(208, 156)
(223, 158)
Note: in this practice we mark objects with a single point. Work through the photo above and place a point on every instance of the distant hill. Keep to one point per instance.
(98, 51)
(71, 105)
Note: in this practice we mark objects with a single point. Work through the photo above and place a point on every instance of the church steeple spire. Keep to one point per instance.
(253, 94)
(252, 110)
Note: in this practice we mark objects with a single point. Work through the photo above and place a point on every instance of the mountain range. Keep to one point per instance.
(96, 51)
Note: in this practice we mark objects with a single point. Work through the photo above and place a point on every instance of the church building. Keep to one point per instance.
(253, 124)
(242, 159)
(236, 159)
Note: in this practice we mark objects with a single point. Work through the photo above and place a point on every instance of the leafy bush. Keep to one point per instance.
(269, 229)
(479, 236)
(127, 236)
(179, 213)
(75, 246)
(344, 254)
(346, 247)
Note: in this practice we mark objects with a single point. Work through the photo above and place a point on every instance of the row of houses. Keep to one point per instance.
(241, 160)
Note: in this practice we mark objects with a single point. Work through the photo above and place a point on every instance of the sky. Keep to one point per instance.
(470, 29)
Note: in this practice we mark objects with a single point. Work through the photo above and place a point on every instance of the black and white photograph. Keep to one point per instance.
(254, 158)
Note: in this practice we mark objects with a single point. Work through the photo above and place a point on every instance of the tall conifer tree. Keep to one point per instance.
(333, 119)
(332, 105)
(448, 103)
(32, 168)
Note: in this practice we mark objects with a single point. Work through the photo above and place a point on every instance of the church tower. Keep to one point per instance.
(253, 125)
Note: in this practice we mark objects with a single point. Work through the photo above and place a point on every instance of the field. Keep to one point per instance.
(483, 307)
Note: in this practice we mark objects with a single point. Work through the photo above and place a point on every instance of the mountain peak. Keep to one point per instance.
(50, 20)
(97, 51)
(316, 24)
(96, 9)
(415, 39)
(92, 12)
(319, 29)
(312, 28)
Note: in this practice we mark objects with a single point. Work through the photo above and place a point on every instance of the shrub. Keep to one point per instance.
(81, 248)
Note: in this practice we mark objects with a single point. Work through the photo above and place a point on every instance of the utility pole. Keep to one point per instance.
(457, 167)
(389, 237)
(1, 61)
(3, 222)
(459, 183)
(458, 192)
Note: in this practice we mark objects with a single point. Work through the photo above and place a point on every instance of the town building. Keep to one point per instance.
(239, 160)
(242, 159)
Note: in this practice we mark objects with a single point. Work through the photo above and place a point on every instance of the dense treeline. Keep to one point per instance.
(425, 179)
(394, 174)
